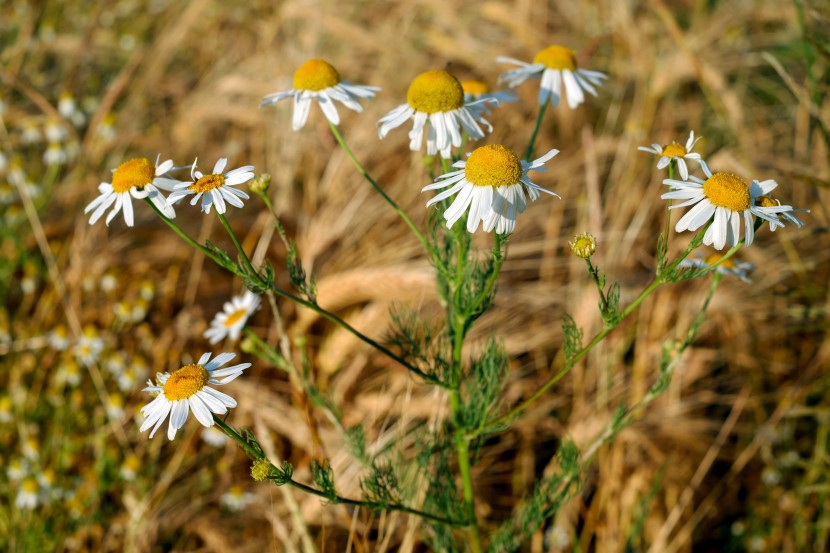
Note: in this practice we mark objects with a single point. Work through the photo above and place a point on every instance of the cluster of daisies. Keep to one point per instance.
(490, 187)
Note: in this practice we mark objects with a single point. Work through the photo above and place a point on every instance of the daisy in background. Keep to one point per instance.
(787, 215)
(318, 80)
(556, 66)
(491, 184)
(187, 390)
(677, 153)
(27, 494)
(730, 267)
(479, 90)
(231, 320)
(236, 498)
(435, 102)
(214, 188)
(137, 178)
(725, 199)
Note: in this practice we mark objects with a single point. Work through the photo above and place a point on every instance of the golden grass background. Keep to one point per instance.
(185, 79)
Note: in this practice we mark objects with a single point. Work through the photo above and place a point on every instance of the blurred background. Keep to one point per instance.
(731, 458)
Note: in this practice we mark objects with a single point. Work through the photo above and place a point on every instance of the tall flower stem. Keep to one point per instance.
(532, 143)
(362, 170)
(245, 259)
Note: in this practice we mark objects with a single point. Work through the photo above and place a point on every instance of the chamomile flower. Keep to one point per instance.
(55, 154)
(58, 338)
(435, 102)
(677, 153)
(491, 184)
(236, 498)
(787, 215)
(730, 267)
(318, 80)
(6, 410)
(214, 437)
(556, 65)
(137, 178)
(723, 198)
(233, 317)
(214, 188)
(27, 495)
(130, 468)
(479, 90)
(187, 389)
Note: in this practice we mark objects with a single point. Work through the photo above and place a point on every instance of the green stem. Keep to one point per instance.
(277, 223)
(245, 259)
(532, 144)
(362, 170)
(498, 259)
(667, 228)
(603, 301)
(253, 453)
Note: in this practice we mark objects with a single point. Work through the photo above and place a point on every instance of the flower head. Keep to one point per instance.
(677, 153)
(731, 266)
(232, 318)
(584, 245)
(723, 198)
(137, 178)
(187, 389)
(556, 65)
(318, 80)
(435, 102)
(214, 188)
(474, 91)
(492, 184)
(785, 213)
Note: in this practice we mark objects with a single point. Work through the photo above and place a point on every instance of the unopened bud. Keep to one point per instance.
(261, 183)
(584, 245)
(261, 469)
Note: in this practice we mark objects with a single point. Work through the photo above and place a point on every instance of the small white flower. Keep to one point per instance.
(318, 80)
(55, 154)
(474, 91)
(30, 132)
(786, 213)
(231, 320)
(556, 65)
(677, 153)
(27, 495)
(127, 380)
(491, 184)
(130, 467)
(237, 499)
(17, 469)
(215, 188)
(725, 199)
(435, 102)
(137, 178)
(115, 406)
(730, 267)
(187, 390)
(55, 131)
(89, 346)
(215, 437)
(69, 372)
(6, 410)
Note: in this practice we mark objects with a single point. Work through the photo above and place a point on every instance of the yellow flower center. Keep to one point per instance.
(30, 486)
(315, 75)
(435, 91)
(727, 190)
(584, 245)
(138, 172)
(476, 88)
(207, 183)
(556, 57)
(674, 150)
(766, 201)
(494, 166)
(234, 317)
(185, 382)
(714, 258)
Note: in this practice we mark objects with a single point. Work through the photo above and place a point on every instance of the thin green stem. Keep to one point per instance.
(277, 223)
(253, 453)
(498, 259)
(667, 228)
(245, 259)
(362, 170)
(532, 144)
(603, 302)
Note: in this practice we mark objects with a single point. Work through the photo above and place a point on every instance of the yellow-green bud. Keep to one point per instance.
(261, 183)
(584, 245)
(247, 345)
(261, 469)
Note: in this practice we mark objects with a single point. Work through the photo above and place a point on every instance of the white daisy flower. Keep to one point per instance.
(435, 101)
(319, 80)
(55, 154)
(137, 178)
(730, 267)
(479, 90)
(677, 153)
(787, 214)
(214, 188)
(30, 132)
(232, 318)
(6, 410)
(214, 437)
(130, 467)
(55, 130)
(236, 498)
(17, 469)
(723, 198)
(556, 65)
(187, 389)
(491, 183)
(58, 338)
(27, 495)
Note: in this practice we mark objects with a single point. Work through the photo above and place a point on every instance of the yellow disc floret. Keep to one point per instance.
(766, 201)
(185, 382)
(207, 183)
(715, 257)
(435, 91)
(234, 317)
(674, 150)
(476, 88)
(727, 190)
(493, 165)
(584, 245)
(315, 75)
(556, 57)
(138, 172)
